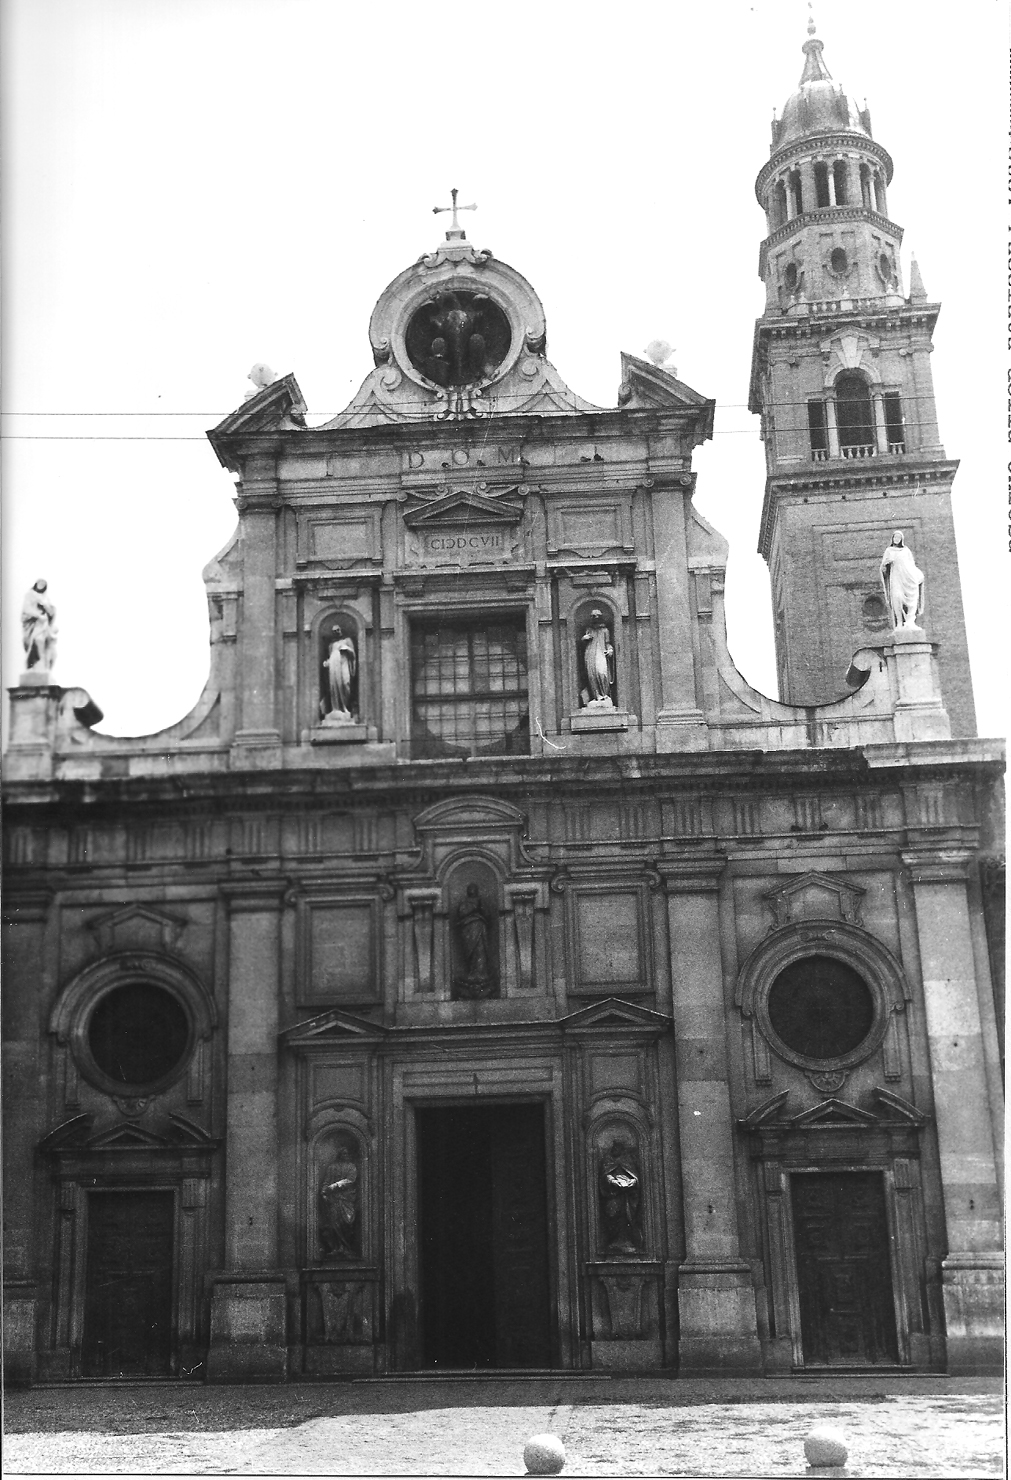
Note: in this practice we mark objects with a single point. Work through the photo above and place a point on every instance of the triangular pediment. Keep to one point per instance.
(176, 1134)
(815, 896)
(331, 1027)
(136, 925)
(464, 506)
(645, 385)
(834, 1112)
(615, 1013)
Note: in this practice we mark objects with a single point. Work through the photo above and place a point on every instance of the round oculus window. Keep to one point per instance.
(820, 1007)
(885, 267)
(839, 260)
(458, 338)
(874, 608)
(138, 1034)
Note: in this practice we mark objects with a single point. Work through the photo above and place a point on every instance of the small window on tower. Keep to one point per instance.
(817, 429)
(854, 416)
(885, 268)
(791, 276)
(821, 185)
(839, 261)
(894, 425)
(840, 179)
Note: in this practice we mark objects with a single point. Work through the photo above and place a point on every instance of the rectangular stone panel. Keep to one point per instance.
(609, 943)
(342, 1083)
(614, 1071)
(341, 540)
(338, 951)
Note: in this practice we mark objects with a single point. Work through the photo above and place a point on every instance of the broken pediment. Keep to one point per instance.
(278, 407)
(175, 1133)
(136, 927)
(891, 1110)
(815, 896)
(614, 1014)
(646, 386)
(466, 506)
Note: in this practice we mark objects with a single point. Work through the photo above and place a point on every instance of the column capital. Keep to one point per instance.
(698, 875)
(255, 896)
(938, 865)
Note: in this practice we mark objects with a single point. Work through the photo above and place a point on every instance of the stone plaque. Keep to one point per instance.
(463, 545)
(608, 939)
(341, 541)
(343, 1083)
(338, 957)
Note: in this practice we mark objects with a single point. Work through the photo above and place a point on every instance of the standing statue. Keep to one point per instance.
(38, 628)
(338, 1207)
(477, 978)
(620, 1193)
(598, 661)
(903, 582)
(340, 667)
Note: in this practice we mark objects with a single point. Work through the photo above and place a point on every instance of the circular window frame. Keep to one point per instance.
(71, 1018)
(847, 267)
(848, 944)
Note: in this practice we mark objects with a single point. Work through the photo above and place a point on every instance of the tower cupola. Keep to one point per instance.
(823, 191)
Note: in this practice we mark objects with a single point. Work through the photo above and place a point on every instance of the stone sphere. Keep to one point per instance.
(544, 1454)
(825, 1446)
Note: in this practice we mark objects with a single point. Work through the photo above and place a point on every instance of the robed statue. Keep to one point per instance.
(476, 977)
(338, 1208)
(38, 628)
(620, 1192)
(598, 662)
(902, 581)
(340, 668)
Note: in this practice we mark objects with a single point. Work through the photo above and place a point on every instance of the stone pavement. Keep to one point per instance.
(898, 1426)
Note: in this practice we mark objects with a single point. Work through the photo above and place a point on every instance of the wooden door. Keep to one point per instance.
(847, 1315)
(128, 1285)
(483, 1237)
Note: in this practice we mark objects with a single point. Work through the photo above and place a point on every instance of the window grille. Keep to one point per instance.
(469, 689)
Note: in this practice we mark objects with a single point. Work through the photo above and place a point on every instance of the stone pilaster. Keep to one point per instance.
(972, 1272)
(716, 1297)
(248, 1326)
(679, 721)
(24, 1109)
(259, 505)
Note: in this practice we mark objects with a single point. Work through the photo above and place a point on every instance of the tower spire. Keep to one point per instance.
(815, 69)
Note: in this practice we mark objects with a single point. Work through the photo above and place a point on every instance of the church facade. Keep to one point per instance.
(484, 974)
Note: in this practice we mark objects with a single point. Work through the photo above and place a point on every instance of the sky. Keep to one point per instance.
(194, 186)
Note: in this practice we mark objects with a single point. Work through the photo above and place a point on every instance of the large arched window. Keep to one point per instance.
(854, 416)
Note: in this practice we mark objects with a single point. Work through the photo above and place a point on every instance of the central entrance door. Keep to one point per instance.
(128, 1285)
(482, 1200)
(847, 1315)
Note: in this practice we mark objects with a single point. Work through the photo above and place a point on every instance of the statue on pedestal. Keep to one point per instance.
(902, 582)
(477, 977)
(38, 628)
(340, 667)
(620, 1192)
(598, 663)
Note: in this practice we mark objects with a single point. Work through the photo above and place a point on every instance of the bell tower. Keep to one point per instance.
(841, 379)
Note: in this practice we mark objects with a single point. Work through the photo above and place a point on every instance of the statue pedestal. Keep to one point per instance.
(594, 721)
(912, 666)
(349, 734)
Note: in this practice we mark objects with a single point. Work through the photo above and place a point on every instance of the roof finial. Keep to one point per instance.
(815, 69)
(456, 232)
(810, 18)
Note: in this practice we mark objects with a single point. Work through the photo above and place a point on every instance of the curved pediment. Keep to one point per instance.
(474, 814)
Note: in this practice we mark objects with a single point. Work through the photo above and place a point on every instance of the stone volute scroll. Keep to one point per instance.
(38, 629)
(339, 1203)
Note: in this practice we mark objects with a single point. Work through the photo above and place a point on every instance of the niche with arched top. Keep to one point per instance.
(339, 662)
(620, 1194)
(594, 627)
(473, 895)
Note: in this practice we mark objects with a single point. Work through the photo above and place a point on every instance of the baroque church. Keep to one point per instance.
(484, 974)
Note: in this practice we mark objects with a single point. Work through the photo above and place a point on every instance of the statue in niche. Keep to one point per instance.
(340, 667)
(458, 338)
(38, 628)
(339, 1232)
(620, 1192)
(598, 663)
(903, 582)
(477, 977)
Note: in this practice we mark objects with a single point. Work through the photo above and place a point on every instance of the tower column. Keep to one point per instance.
(830, 180)
(831, 427)
(973, 1270)
(880, 430)
(716, 1296)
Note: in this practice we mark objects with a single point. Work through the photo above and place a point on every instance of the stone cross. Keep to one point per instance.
(455, 232)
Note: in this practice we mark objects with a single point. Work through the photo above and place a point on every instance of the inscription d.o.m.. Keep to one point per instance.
(462, 457)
